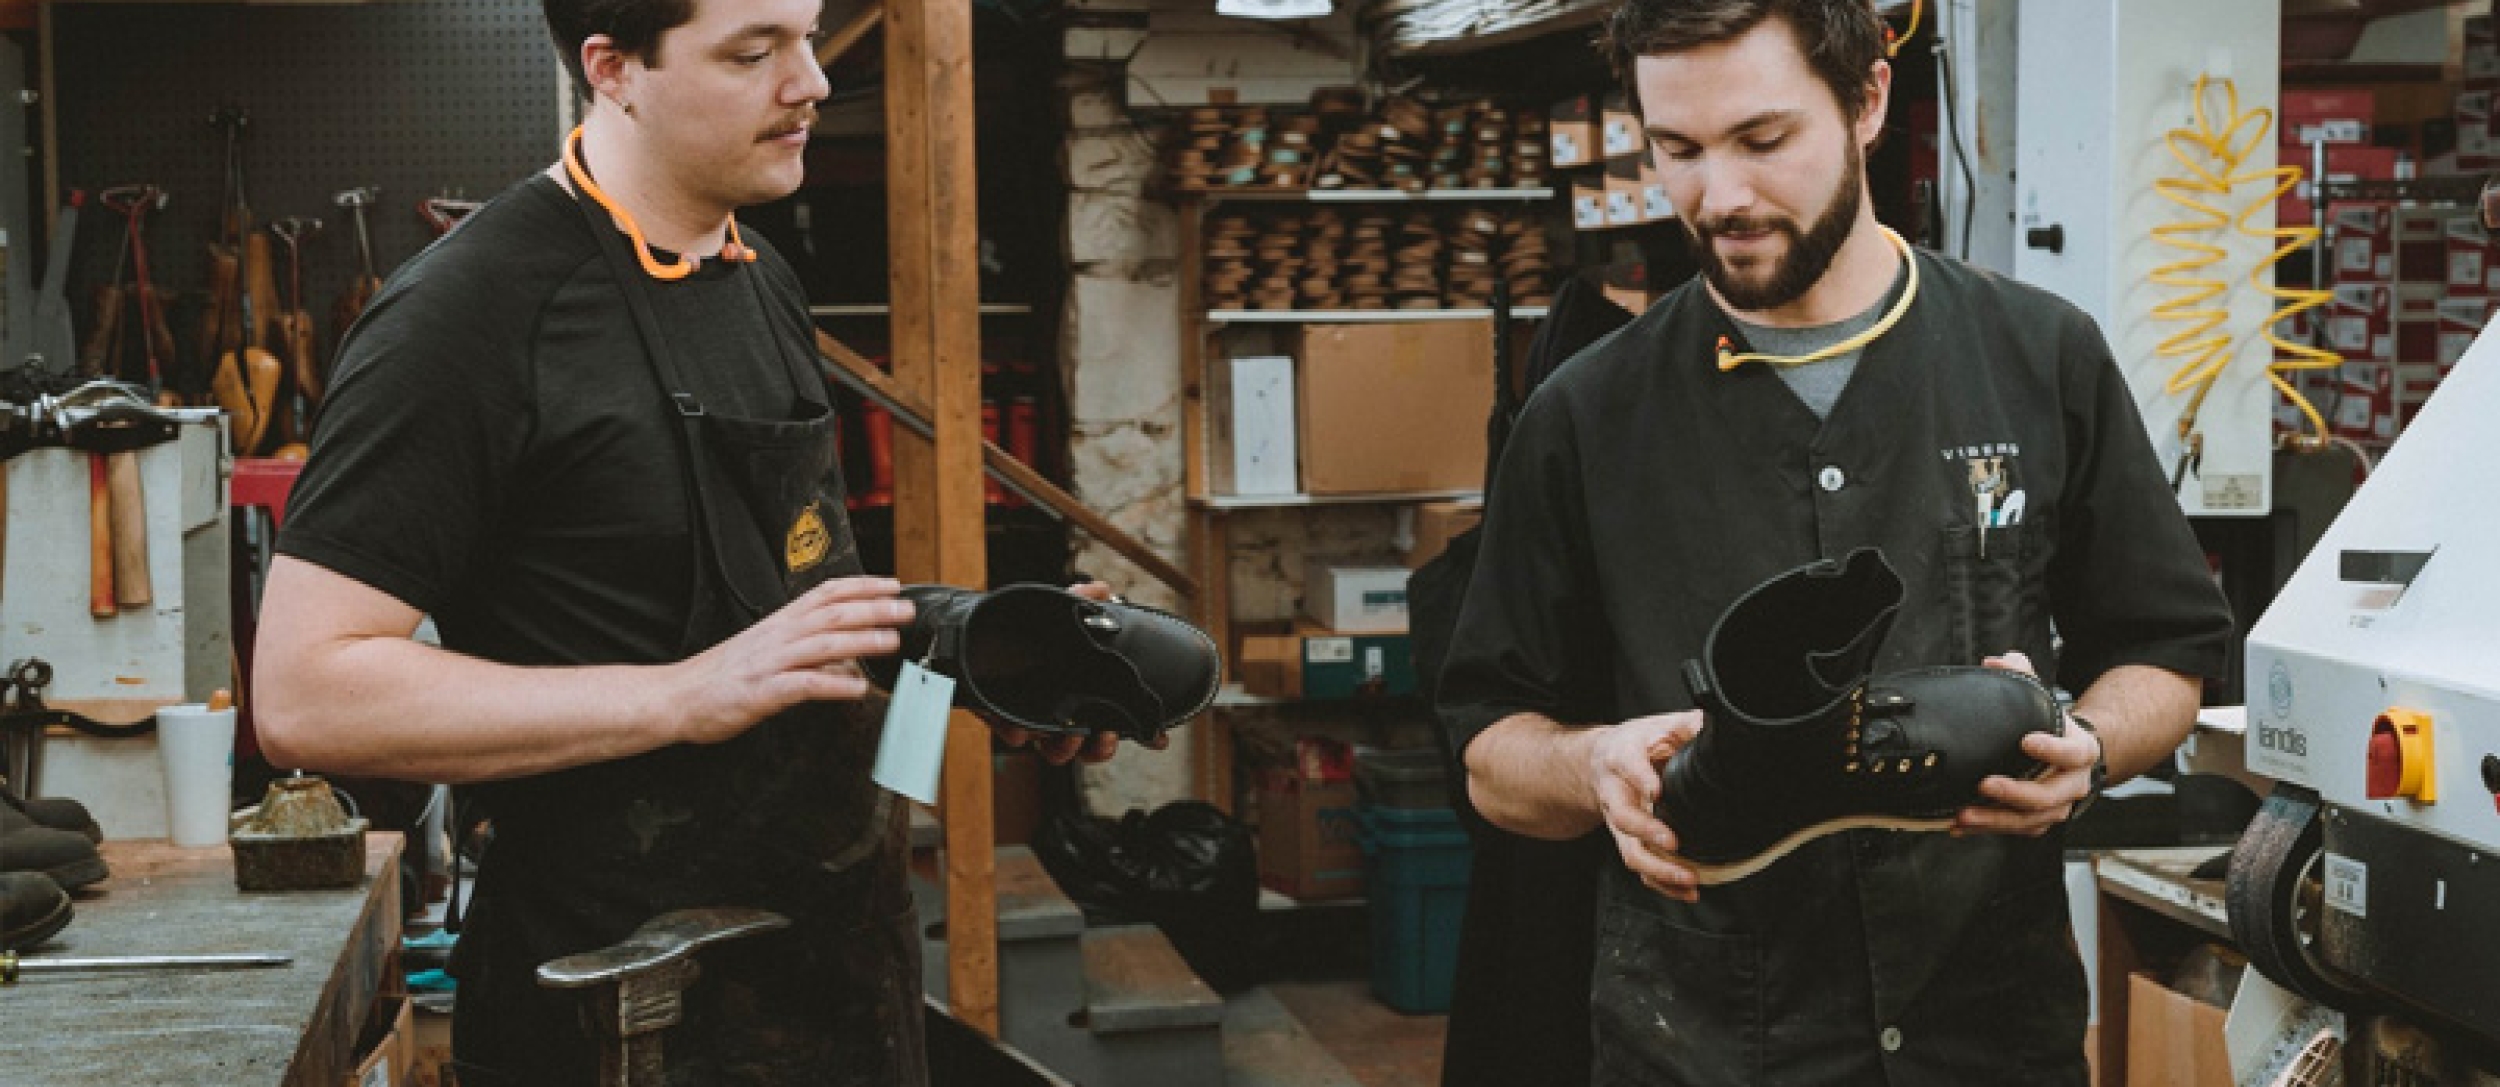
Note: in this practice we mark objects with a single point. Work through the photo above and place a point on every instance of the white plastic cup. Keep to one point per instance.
(197, 744)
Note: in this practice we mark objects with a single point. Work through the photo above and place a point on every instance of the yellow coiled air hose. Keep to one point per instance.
(2212, 157)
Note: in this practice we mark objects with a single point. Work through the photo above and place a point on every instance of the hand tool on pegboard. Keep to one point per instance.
(52, 345)
(101, 355)
(364, 284)
(247, 378)
(445, 212)
(101, 599)
(224, 323)
(295, 339)
(221, 329)
(153, 334)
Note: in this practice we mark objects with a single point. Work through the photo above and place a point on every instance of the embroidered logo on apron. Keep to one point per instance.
(808, 541)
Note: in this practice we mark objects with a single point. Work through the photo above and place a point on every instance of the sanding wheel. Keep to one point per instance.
(2275, 895)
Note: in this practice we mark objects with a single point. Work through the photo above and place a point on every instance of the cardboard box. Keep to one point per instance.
(1588, 203)
(1571, 131)
(1308, 660)
(1356, 598)
(1250, 414)
(2468, 258)
(2365, 242)
(2421, 250)
(2366, 409)
(1655, 207)
(1436, 524)
(429, 1048)
(2173, 1040)
(1623, 191)
(386, 1046)
(2482, 62)
(2360, 321)
(2460, 320)
(1269, 663)
(1394, 406)
(2415, 382)
(1619, 131)
(1309, 842)
(1341, 664)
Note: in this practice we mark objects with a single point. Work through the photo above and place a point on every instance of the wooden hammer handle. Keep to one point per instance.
(132, 585)
(100, 601)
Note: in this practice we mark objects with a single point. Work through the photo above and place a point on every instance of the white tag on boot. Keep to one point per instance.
(912, 749)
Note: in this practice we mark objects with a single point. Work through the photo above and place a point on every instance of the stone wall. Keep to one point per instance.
(1121, 340)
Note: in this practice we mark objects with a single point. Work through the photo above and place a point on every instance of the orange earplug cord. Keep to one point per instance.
(668, 273)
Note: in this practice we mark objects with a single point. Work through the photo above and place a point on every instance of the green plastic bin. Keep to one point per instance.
(1415, 864)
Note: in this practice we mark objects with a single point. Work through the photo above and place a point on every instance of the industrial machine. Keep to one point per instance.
(2370, 880)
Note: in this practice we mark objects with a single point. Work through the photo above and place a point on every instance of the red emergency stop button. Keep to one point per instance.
(2400, 757)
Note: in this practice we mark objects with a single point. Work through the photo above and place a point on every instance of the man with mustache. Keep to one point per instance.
(589, 435)
(1819, 388)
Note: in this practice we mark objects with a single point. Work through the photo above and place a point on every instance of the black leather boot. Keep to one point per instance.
(32, 909)
(65, 856)
(1798, 742)
(1047, 659)
(59, 813)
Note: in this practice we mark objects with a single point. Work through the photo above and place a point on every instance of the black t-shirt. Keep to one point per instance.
(498, 451)
(1990, 446)
(495, 450)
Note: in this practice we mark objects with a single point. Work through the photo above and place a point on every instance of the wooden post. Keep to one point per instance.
(1210, 532)
(939, 534)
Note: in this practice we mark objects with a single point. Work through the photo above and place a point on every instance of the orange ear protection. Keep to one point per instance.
(735, 250)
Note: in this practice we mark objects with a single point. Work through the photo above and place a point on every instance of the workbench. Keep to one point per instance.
(293, 1025)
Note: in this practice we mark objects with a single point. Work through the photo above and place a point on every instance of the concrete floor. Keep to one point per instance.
(1380, 1046)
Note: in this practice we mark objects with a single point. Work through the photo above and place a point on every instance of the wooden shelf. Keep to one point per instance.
(1292, 501)
(1360, 316)
(2158, 879)
(1247, 195)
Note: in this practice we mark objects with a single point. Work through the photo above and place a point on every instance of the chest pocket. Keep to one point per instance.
(1994, 598)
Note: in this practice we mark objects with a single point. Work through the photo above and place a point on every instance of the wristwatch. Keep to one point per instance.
(2100, 766)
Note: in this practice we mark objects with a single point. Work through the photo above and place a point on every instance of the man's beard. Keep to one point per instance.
(1807, 257)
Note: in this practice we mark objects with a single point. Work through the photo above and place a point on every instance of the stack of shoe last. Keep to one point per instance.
(1404, 144)
(1326, 259)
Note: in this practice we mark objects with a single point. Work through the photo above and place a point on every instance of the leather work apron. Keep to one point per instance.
(783, 817)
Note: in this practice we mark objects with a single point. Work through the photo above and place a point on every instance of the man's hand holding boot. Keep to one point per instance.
(1623, 763)
(2030, 808)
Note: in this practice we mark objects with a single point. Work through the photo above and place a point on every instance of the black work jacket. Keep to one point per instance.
(1643, 490)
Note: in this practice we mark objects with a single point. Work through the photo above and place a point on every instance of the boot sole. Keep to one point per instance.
(78, 874)
(1731, 871)
(34, 935)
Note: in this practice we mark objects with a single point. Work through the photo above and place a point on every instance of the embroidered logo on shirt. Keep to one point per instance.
(1995, 501)
(808, 541)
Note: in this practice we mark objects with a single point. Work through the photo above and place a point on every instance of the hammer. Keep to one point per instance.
(637, 986)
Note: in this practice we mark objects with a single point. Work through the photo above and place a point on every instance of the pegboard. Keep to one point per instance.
(437, 98)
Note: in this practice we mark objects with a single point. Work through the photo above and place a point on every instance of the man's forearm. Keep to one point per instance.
(1529, 774)
(397, 708)
(2142, 713)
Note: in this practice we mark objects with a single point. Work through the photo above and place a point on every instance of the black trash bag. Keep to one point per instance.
(1188, 869)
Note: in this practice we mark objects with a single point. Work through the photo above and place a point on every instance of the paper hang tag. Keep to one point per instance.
(912, 749)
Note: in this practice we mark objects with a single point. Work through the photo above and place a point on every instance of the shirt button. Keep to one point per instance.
(1892, 1039)
(1832, 479)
